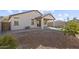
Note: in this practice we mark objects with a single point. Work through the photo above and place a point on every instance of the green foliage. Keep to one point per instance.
(8, 42)
(72, 27)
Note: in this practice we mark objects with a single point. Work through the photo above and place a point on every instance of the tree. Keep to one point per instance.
(71, 27)
(75, 18)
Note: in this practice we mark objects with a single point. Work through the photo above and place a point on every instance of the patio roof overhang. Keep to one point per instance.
(46, 17)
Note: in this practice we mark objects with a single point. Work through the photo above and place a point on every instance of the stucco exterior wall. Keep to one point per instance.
(24, 20)
(1, 19)
(0, 26)
(35, 24)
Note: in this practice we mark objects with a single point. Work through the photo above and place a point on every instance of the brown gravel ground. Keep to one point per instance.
(45, 39)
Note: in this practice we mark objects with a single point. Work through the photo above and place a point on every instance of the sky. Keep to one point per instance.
(58, 14)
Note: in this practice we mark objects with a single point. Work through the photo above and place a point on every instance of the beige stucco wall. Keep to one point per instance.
(35, 24)
(24, 20)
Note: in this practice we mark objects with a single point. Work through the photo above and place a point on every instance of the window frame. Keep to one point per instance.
(16, 23)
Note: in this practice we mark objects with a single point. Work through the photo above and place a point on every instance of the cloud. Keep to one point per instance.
(46, 11)
(14, 11)
(54, 14)
(19, 11)
(77, 17)
(60, 18)
(10, 11)
(59, 15)
(66, 15)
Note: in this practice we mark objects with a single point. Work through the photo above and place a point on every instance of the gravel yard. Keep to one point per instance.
(45, 39)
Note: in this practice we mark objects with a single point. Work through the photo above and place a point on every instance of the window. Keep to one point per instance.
(16, 23)
(32, 22)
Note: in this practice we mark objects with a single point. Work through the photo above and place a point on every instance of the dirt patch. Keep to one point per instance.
(46, 39)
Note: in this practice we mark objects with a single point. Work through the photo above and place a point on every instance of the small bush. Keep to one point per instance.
(8, 42)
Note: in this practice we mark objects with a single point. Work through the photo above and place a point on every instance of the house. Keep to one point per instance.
(24, 20)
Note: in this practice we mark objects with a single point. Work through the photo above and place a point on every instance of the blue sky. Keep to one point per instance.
(58, 14)
(63, 14)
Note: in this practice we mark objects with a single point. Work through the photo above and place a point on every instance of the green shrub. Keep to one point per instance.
(71, 28)
(8, 42)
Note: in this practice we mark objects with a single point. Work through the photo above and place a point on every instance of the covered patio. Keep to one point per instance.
(44, 21)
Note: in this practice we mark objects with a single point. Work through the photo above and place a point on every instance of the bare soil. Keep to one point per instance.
(45, 39)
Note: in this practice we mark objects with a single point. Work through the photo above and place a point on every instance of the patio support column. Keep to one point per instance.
(35, 23)
(42, 24)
